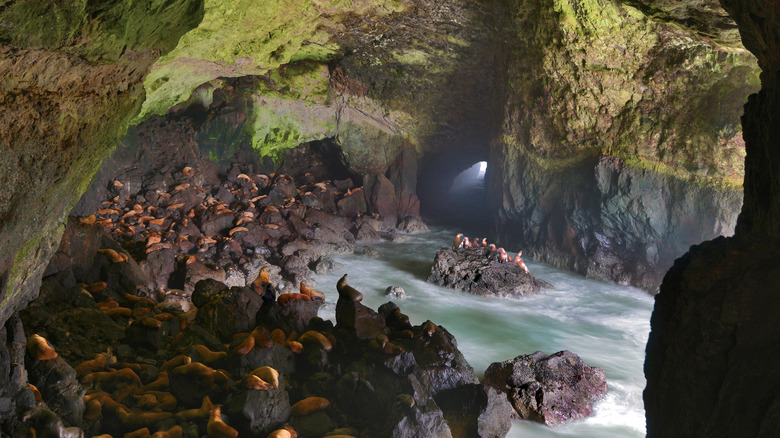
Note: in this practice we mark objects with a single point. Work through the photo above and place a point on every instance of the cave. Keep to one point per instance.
(173, 174)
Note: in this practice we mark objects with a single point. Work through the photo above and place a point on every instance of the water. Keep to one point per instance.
(605, 324)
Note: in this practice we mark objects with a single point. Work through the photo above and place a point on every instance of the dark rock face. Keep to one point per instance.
(476, 410)
(548, 389)
(713, 322)
(475, 271)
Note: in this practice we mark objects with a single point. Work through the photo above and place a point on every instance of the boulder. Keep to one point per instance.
(255, 412)
(476, 410)
(475, 271)
(59, 387)
(548, 389)
(395, 292)
(225, 312)
(413, 225)
(381, 198)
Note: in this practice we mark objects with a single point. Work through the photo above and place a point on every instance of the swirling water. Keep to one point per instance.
(606, 324)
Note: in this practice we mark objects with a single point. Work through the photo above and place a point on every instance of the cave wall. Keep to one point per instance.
(72, 81)
(621, 143)
(711, 363)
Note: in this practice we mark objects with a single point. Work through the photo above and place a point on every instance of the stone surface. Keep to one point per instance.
(548, 389)
(395, 292)
(710, 330)
(475, 271)
(476, 410)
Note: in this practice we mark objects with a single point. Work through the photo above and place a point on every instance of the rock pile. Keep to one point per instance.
(480, 272)
(189, 225)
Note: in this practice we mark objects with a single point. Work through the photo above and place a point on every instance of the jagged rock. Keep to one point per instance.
(212, 224)
(353, 204)
(477, 272)
(548, 389)
(413, 225)
(158, 267)
(292, 316)
(381, 198)
(56, 380)
(369, 251)
(427, 421)
(362, 320)
(225, 312)
(46, 423)
(196, 271)
(257, 412)
(325, 264)
(395, 292)
(367, 233)
(476, 410)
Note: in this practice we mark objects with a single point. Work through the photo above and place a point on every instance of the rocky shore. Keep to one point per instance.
(188, 310)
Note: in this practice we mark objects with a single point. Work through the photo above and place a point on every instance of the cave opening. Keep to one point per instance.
(467, 198)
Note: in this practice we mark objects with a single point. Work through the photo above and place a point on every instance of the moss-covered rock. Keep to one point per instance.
(72, 81)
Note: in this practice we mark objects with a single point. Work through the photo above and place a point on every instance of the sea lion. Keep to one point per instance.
(466, 243)
(484, 243)
(502, 255)
(458, 240)
(348, 292)
(40, 348)
(309, 405)
(216, 428)
(519, 262)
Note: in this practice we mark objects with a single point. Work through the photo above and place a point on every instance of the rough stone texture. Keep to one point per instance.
(62, 114)
(710, 367)
(475, 271)
(476, 410)
(548, 389)
(660, 98)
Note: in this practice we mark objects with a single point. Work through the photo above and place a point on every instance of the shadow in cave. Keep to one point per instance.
(457, 198)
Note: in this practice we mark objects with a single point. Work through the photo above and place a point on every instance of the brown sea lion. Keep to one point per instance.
(348, 292)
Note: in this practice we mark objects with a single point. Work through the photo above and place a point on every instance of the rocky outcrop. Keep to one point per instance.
(711, 327)
(72, 82)
(548, 389)
(613, 104)
(477, 271)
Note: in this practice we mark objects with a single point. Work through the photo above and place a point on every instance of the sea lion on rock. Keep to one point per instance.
(348, 292)
(519, 262)
(458, 240)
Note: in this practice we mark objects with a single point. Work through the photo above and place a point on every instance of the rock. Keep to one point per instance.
(257, 412)
(413, 225)
(476, 272)
(315, 424)
(355, 317)
(396, 237)
(370, 252)
(226, 312)
(353, 204)
(422, 421)
(292, 316)
(381, 198)
(56, 380)
(395, 292)
(48, 424)
(212, 224)
(476, 410)
(367, 233)
(548, 389)
(158, 267)
(196, 271)
(325, 264)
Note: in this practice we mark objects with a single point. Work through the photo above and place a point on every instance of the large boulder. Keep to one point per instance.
(548, 389)
(476, 271)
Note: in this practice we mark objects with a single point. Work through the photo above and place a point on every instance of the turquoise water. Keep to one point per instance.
(605, 324)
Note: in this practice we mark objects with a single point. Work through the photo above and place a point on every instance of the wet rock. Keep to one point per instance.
(381, 198)
(476, 410)
(196, 271)
(46, 423)
(396, 237)
(257, 412)
(477, 272)
(370, 252)
(325, 264)
(395, 292)
(292, 316)
(413, 225)
(367, 233)
(158, 267)
(353, 203)
(212, 224)
(315, 424)
(56, 380)
(427, 421)
(440, 365)
(227, 311)
(357, 318)
(548, 389)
